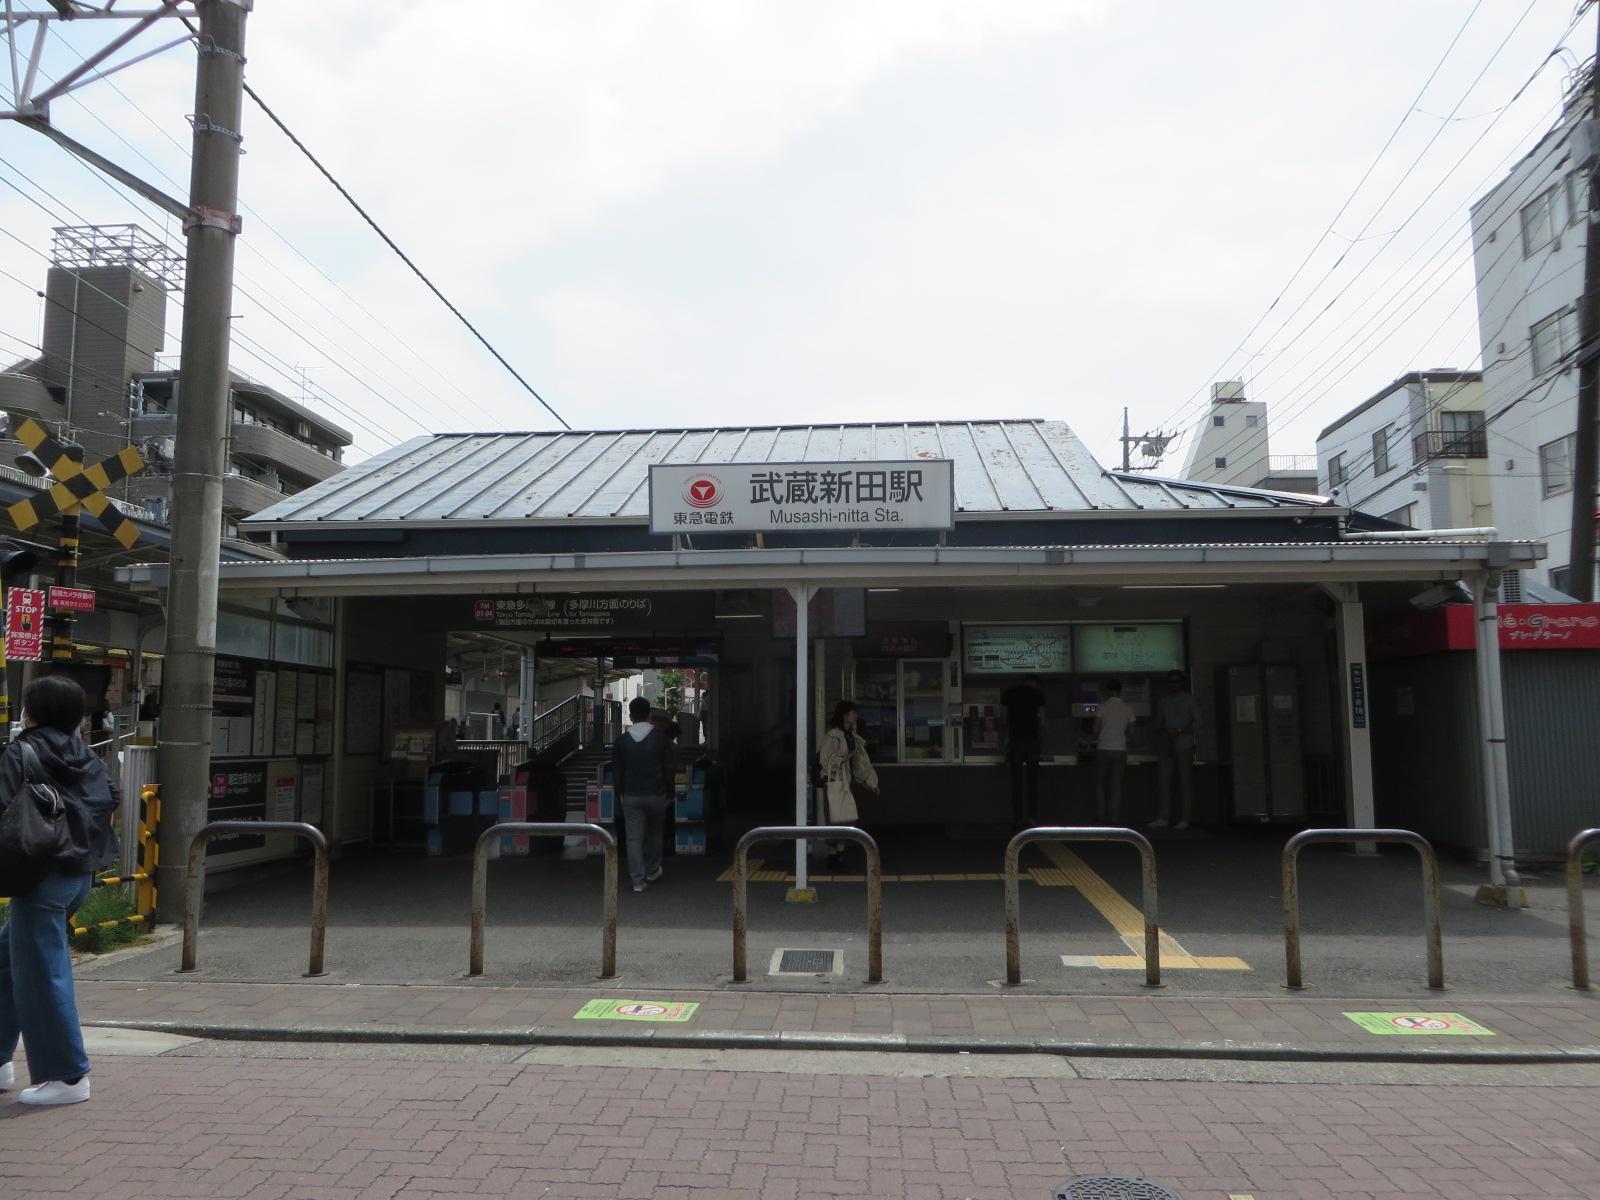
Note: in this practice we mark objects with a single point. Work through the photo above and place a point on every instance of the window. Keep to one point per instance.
(1541, 221)
(1561, 579)
(1461, 434)
(1380, 451)
(1404, 515)
(1251, 421)
(1553, 339)
(1219, 422)
(1220, 462)
(1577, 196)
(1336, 475)
(1555, 465)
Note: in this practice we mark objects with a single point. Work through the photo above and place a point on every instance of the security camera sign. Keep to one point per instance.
(24, 624)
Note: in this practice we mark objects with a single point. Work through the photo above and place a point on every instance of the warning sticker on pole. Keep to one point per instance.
(635, 1010)
(1436, 1024)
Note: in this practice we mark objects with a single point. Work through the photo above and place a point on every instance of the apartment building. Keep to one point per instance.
(1232, 446)
(1415, 453)
(1528, 251)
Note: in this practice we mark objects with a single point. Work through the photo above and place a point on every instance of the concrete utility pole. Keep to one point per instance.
(1586, 457)
(201, 450)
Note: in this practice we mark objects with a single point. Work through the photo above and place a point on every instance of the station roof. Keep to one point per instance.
(1002, 468)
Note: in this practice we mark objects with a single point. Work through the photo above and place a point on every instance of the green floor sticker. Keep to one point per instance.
(1437, 1024)
(634, 1010)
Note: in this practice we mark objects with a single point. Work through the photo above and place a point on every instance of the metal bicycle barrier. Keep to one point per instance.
(1580, 948)
(1291, 892)
(480, 884)
(1081, 833)
(194, 882)
(808, 833)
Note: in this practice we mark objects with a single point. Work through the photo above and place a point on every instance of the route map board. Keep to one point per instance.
(1018, 649)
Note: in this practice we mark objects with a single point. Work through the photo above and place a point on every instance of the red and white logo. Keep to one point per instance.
(704, 491)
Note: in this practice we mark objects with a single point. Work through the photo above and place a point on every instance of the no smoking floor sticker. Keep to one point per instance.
(634, 1010)
(1436, 1024)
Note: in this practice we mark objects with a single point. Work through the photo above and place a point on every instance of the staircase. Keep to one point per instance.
(580, 770)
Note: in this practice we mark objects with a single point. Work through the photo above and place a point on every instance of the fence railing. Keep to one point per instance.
(194, 882)
(1291, 892)
(1081, 833)
(480, 885)
(1575, 930)
(808, 833)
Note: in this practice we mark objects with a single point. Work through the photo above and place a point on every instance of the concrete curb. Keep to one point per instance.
(883, 1043)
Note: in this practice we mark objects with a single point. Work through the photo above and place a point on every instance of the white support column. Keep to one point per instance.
(802, 892)
(333, 775)
(1505, 885)
(528, 693)
(1355, 706)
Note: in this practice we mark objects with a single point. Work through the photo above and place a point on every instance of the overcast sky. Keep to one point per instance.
(757, 212)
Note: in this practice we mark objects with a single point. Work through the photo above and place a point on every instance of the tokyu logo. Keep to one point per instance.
(705, 491)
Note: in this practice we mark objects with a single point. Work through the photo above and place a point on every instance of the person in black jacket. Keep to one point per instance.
(36, 996)
(642, 767)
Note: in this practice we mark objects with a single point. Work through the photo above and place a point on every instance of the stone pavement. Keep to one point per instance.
(280, 1129)
(1563, 1027)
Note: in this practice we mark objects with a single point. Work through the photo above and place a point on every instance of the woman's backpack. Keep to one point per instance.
(33, 828)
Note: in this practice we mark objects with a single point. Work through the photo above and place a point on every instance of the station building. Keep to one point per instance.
(790, 566)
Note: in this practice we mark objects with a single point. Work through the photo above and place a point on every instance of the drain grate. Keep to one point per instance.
(805, 962)
(1113, 1187)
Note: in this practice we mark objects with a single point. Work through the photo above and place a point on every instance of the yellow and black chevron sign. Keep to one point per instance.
(77, 484)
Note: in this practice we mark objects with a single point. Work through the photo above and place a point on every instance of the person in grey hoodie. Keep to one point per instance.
(37, 1003)
(642, 768)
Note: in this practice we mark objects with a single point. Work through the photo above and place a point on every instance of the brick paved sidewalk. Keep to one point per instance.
(274, 1129)
(1197, 1026)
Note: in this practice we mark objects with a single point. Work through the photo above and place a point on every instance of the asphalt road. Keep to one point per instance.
(406, 919)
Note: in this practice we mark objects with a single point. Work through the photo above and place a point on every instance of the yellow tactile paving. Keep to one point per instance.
(1127, 920)
(1177, 962)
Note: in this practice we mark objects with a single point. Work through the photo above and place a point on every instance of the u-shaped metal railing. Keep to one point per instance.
(1291, 892)
(1580, 948)
(1081, 833)
(807, 833)
(194, 882)
(480, 884)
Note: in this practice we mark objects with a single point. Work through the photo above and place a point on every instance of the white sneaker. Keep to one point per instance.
(8, 1074)
(655, 875)
(1158, 823)
(56, 1092)
(638, 887)
(1181, 826)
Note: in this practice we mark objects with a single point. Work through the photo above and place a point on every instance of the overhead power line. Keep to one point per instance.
(404, 257)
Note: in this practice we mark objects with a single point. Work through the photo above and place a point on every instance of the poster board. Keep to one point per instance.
(311, 793)
(324, 738)
(285, 710)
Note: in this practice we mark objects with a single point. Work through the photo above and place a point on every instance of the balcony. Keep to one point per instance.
(245, 497)
(260, 444)
(1450, 443)
(1291, 464)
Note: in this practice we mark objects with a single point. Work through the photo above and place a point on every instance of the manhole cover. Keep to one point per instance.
(1113, 1187)
(805, 962)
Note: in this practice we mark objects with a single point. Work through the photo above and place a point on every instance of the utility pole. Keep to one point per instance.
(201, 450)
(1586, 457)
(1154, 445)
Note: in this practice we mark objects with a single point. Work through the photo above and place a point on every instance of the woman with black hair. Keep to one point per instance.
(844, 761)
(37, 1003)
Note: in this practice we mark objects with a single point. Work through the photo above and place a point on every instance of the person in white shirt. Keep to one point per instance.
(1111, 721)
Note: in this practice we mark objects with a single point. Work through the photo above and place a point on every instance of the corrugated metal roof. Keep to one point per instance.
(1001, 467)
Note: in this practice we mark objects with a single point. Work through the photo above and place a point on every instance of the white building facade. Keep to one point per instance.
(1231, 446)
(1415, 453)
(1528, 249)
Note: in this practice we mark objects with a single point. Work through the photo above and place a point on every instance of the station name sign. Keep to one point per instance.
(770, 497)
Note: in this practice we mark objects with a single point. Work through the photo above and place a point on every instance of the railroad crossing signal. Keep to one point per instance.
(76, 485)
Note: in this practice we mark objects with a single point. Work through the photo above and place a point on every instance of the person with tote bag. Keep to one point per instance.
(48, 765)
(844, 763)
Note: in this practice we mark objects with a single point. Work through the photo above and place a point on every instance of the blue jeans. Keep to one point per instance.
(36, 999)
